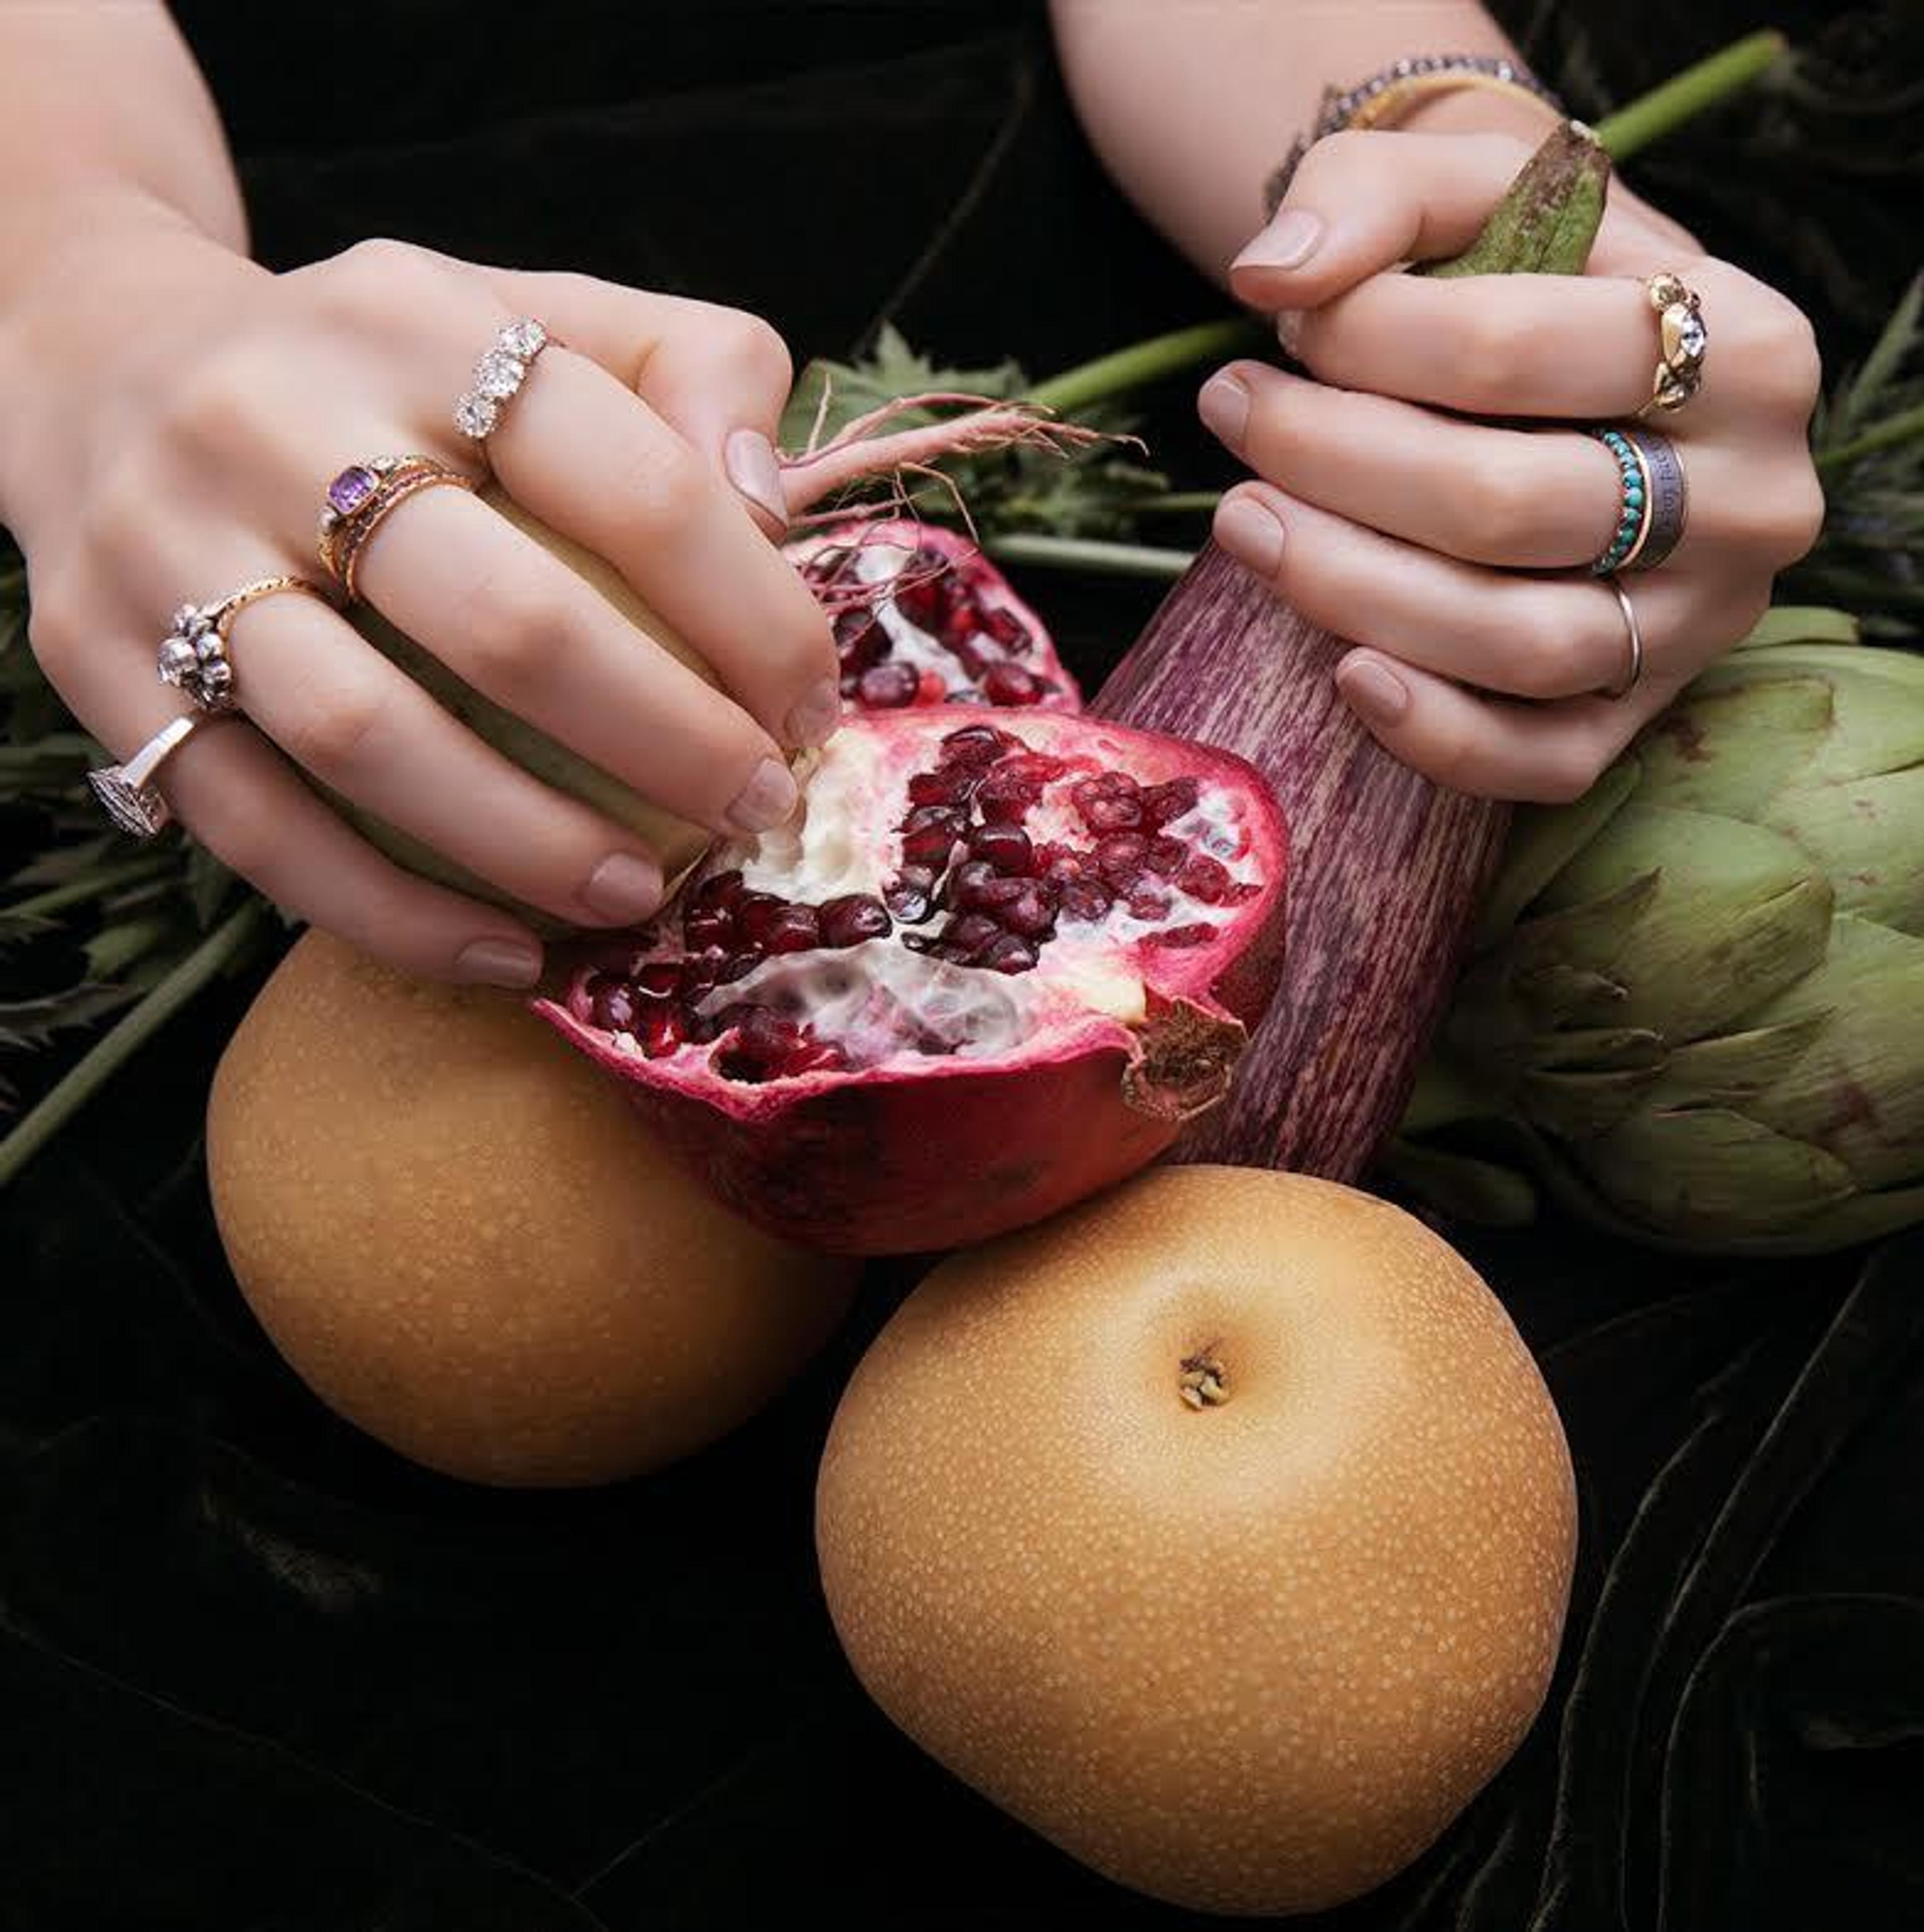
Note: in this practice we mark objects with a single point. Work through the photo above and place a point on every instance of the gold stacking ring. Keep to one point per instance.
(360, 499)
(1683, 340)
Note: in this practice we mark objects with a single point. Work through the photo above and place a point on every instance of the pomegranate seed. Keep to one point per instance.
(660, 981)
(703, 927)
(1120, 855)
(997, 895)
(853, 917)
(1005, 627)
(1204, 878)
(1009, 954)
(966, 882)
(661, 1030)
(1006, 846)
(1183, 935)
(755, 913)
(795, 928)
(718, 889)
(976, 745)
(972, 932)
(1086, 899)
(1064, 862)
(1006, 794)
(947, 785)
(764, 1030)
(924, 597)
(1166, 856)
(811, 1055)
(889, 686)
(971, 656)
(1161, 803)
(1149, 901)
(614, 1006)
(860, 640)
(1110, 813)
(1031, 913)
(929, 833)
(738, 966)
(912, 894)
(1010, 684)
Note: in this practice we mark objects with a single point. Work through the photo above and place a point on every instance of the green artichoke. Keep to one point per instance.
(1696, 1002)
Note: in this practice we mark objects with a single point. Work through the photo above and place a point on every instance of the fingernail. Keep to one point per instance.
(499, 962)
(813, 720)
(1372, 690)
(1287, 243)
(1251, 535)
(623, 888)
(749, 458)
(767, 798)
(1224, 406)
(1289, 330)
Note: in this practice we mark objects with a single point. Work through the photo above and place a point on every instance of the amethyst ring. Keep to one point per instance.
(499, 375)
(359, 500)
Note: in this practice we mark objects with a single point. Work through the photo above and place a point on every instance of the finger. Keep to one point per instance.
(1526, 499)
(536, 637)
(1539, 637)
(719, 377)
(1585, 347)
(1363, 201)
(583, 454)
(237, 795)
(348, 717)
(1493, 747)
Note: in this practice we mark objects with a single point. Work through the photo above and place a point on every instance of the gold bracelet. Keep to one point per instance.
(1384, 97)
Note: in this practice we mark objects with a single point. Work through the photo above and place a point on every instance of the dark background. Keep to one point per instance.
(256, 1672)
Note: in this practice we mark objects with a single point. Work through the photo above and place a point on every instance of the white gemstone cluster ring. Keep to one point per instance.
(194, 657)
(499, 376)
(1682, 342)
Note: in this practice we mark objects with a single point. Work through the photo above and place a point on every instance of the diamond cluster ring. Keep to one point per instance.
(1682, 342)
(193, 657)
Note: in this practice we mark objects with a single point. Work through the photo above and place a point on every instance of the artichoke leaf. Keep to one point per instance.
(1598, 1050)
(1867, 834)
(1543, 840)
(1578, 1105)
(1557, 995)
(1741, 913)
(1857, 1091)
(1800, 624)
(1732, 750)
(1728, 1069)
(1877, 706)
(1460, 1185)
(1713, 1175)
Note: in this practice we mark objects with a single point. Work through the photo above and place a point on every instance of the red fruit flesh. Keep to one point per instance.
(922, 617)
(983, 1018)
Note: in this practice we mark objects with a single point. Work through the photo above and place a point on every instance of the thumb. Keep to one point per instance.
(1361, 202)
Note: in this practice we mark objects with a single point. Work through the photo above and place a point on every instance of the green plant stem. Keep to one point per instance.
(221, 949)
(1178, 502)
(1905, 426)
(1144, 362)
(78, 892)
(1112, 559)
(1685, 96)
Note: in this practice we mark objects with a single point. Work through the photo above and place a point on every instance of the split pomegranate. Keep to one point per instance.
(993, 964)
(921, 616)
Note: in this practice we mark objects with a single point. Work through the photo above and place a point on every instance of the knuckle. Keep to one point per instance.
(1498, 512)
(755, 348)
(1802, 515)
(511, 630)
(664, 492)
(1539, 656)
(336, 729)
(1562, 772)
(1789, 359)
(372, 277)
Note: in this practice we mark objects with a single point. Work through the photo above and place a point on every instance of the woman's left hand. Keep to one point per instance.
(1456, 553)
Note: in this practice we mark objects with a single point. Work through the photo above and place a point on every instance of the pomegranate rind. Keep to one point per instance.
(985, 579)
(921, 1154)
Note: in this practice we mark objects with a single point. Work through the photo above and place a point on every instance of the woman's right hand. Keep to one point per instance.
(181, 412)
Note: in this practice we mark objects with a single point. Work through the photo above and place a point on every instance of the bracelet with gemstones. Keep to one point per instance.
(1384, 98)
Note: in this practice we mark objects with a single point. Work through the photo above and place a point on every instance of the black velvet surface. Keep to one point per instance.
(256, 1672)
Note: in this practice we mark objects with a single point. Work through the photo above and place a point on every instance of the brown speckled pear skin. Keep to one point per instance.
(1249, 1649)
(464, 1239)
